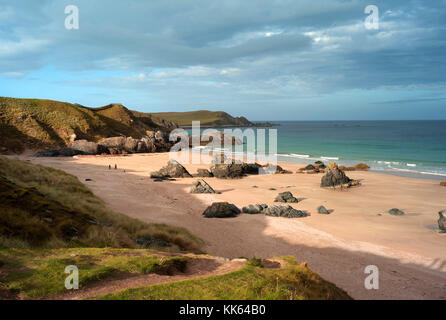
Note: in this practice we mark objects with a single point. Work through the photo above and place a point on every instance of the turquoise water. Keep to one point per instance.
(409, 148)
(398, 146)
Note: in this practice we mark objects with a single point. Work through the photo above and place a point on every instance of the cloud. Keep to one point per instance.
(229, 51)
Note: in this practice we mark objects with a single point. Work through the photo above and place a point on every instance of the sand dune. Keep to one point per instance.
(408, 250)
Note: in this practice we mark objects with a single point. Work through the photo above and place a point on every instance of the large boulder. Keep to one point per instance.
(161, 136)
(201, 186)
(335, 177)
(323, 210)
(88, 147)
(130, 144)
(172, 170)
(286, 197)
(442, 221)
(251, 168)
(396, 212)
(113, 142)
(227, 171)
(146, 144)
(254, 208)
(285, 211)
(204, 173)
(221, 210)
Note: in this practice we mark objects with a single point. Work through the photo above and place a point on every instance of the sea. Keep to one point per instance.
(406, 148)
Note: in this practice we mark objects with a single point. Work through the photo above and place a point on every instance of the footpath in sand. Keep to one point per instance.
(408, 250)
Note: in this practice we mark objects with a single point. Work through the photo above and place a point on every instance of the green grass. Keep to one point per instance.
(41, 191)
(291, 281)
(40, 272)
(206, 118)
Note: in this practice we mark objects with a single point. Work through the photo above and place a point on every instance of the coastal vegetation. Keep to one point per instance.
(46, 207)
(288, 280)
(39, 124)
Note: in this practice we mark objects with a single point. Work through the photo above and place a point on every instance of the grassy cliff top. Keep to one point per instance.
(36, 124)
(206, 118)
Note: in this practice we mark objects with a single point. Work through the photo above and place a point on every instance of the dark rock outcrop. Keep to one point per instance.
(335, 177)
(85, 146)
(64, 152)
(201, 186)
(204, 173)
(254, 208)
(221, 210)
(396, 212)
(310, 167)
(322, 210)
(286, 197)
(285, 211)
(173, 169)
(251, 168)
(227, 171)
(442, 221)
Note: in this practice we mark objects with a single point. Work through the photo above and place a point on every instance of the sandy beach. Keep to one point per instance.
(408, 250)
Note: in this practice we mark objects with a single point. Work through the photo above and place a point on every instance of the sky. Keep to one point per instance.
(263, 59)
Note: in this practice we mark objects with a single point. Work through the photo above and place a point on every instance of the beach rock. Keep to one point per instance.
(113, 142)
(221, 210)
(322, 210)
(285, 211)
(204, 173)
(47, 153)
(146, 144)
(286, 197)
(251, 168)
(161, 136)
(227, 171)
(130, 144)
(64, 152)
(335, 177)
(280, 170)
(201, 186)
(172, 170)
(318, 162)
(222, 158)
(254, 208)
(396, 212)
(443, 183)
(310, 167)
(442, 221)
(83, 145)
